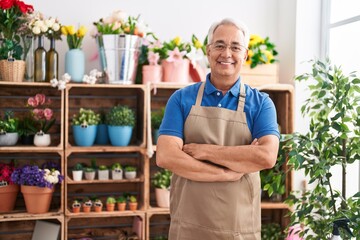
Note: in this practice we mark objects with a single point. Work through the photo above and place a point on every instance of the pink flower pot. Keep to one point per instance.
(151, 73)
(177, 71)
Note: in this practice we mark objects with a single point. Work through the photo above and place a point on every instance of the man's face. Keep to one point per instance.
(226, 53)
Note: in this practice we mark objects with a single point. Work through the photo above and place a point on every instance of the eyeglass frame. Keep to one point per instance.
(241, 47)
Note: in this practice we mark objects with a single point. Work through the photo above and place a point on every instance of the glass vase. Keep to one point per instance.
(52, 62)
(29, 42)
(40, 61)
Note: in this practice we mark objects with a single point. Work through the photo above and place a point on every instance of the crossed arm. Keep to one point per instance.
(187, 160)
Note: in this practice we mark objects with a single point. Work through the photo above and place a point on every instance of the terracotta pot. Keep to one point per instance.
(121, 206)
(110, 207)
(8, 196)
(151, 73)
(97, 208)
(162, 197)
(76, 209)
(177, 71)
(133, 206)
(86, 209)
(37, 199)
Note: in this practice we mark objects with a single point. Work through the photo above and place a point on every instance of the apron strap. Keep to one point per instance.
(242, 97)
(200, 94)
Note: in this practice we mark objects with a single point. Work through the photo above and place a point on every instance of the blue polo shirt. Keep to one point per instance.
(259, 108)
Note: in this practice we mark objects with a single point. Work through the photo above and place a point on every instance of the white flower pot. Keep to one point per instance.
(77, 175)
(103, 174)
(130, 175)
(89, 175)
(162, 197)
(42, 139)
(117, 174)
(8, 139)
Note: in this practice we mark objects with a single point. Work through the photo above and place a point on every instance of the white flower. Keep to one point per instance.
(54, 82)
(142, 27)
(195, 55)
(120, 16)
(56, 27)
(61, 85)
(66, 77)
(44, 28)
(49, 22)
(36, 30)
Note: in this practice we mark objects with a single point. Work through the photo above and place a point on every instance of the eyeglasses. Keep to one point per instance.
(220, 47)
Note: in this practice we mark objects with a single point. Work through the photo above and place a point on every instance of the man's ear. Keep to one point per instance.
(246, 55)
(207, 50)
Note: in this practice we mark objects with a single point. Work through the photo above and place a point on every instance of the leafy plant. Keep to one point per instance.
(261, 51)
(78, 167)
(27, 126)
(271, 231)
(130, 169)
(9, 124)
(156, 118)
(116, 166)
(132, 199)
(120, 116)
(89, 169)
(121, 199)
(162, 179)
(110, 200)
(86, 117)
(333, 140)
(98, 202)
(103, 167)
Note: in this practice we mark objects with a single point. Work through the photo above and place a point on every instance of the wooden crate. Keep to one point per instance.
(106, 226)
(14, 96)
(260, 75)
(104, 188)
(158, 225)
(102, 97)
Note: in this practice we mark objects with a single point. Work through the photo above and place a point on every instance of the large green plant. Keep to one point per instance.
(120, 116)
(333, 109)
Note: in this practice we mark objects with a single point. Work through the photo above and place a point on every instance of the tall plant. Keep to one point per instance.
(333, 140)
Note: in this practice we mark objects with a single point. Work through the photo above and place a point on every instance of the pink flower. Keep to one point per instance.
(40, 98)
(156, 44)
(38, 113)
(153, 58)
(41, 112)
(32, 102)
(48, 113)
(175, 55)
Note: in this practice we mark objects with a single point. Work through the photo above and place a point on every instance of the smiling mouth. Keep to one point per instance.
(225, 63)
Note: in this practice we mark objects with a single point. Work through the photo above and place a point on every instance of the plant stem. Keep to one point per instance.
(343, 165)
(331, 193)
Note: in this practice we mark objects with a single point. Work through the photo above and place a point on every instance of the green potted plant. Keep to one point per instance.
(333, 109)
(133, 203)
(121, 203)
(27, 130)
(77, 172)
(76, 205)
(116, 171)
(89, 173)
(110, 204)
(103, 172)
(120, 121)
(161, 181)
(87, 204)
(98, 205)
(9, 129)
(156, 119)
(84, 126)
(130, 172)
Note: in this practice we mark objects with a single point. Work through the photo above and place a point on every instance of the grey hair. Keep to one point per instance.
(228, 21)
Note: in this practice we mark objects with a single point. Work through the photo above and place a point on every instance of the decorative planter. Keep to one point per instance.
(8, 139)
(130, 175)
(98, 207)
(133, 206)
(37, 199)
(103, 174)
(151, 73)
(12, 71)
(162, 197)
(84, 136)
(102, 135)
(8, 196)
(89, 175)
(75, 64)
(42, 139)
(117, 174)
(120, 135)
(177, 71)
(76, 207)
(86, 208)
(77, 175)
(121, 206)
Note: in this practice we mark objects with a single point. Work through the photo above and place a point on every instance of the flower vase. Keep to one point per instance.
(42, 140)
(151, 73)
(177, 71)
(29, 58)
(75, 64)
(40, 61)
(8, 196)
(52, 62)
(37, 199)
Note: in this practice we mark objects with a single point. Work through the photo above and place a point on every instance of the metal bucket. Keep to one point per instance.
(119, 56)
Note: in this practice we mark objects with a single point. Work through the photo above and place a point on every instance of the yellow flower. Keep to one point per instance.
(81, 31)
(198, 44)
(255, 39)
(269, 56)
(70, 29)
(64, 31)
(177, 41)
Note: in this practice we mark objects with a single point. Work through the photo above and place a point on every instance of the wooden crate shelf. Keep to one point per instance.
(158, 225)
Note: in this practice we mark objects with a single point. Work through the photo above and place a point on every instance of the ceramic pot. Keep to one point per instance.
(162, 197)
(110, 207)
(133, 206)
(117, 174)
(37, 199)
(77, 175)
(130, 175)
(75, 64)
(103, 174)
(8, 139)
(177, 71)
(151, 73)
(8, 196)
(121, 206)
(42, 139)
(120, 135)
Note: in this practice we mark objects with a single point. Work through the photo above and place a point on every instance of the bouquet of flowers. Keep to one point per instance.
(42, 114)
(120, 23)
(35, 176)
(49, 27)
(151, 51)
(74, 37)
(5, 173)
(12, 16)
(175, 50)
(261, 51)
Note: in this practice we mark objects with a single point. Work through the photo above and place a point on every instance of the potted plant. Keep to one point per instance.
(110, 204)
(121, 203)
(98, 205)
(89, 173)
(102, 135)
(161, 182)
(87, 204)
(156, 119)
(120, 121)
(8, 129)
(103, 172)
(27, 129)
(8, 189)
(37, 185)
(133, 203)
(333, 140)
(116, 171)
(76, 205)
(130, 172)
(77, 172)
(84, 126)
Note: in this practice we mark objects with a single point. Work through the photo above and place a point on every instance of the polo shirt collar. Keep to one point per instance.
(210, 88)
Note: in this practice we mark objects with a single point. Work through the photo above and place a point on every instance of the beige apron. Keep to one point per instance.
(216, 210)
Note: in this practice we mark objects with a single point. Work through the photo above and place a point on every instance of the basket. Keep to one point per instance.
(12, 71)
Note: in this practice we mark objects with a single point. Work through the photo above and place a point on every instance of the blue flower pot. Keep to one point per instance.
(120, 135)
(75, 64)
(84, 136)
(102, 136)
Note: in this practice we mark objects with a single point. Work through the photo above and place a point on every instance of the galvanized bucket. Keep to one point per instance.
(119, 56)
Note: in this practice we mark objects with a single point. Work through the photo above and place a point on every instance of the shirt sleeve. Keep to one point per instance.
(173, 120)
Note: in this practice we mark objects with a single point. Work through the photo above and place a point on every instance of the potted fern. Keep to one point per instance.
(120, 121)
(84, 126)
(333, 140)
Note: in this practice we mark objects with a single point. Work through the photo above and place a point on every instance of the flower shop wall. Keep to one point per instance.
(170, 19)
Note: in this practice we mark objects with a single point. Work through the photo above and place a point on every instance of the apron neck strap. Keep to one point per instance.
(242, 97)
(200, 94)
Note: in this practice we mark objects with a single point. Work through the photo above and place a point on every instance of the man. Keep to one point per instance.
(215, 137)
